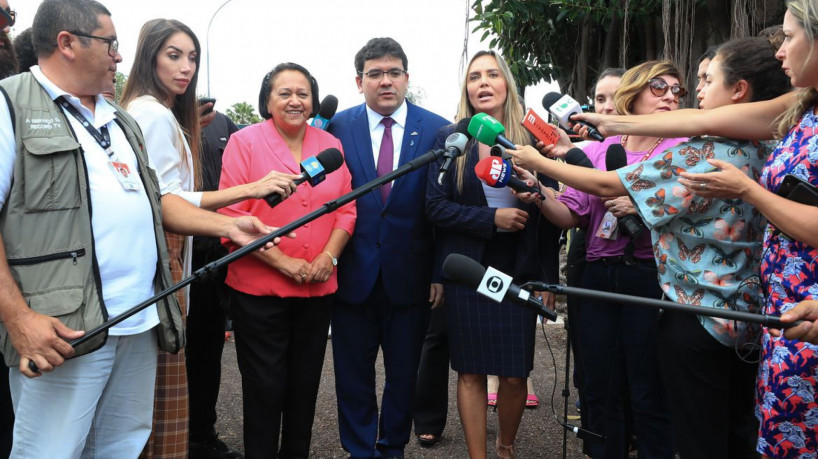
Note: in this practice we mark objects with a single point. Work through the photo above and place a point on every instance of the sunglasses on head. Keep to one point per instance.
(659, 87)
(7, 18)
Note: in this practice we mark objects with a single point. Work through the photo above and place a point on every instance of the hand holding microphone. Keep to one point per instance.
(497, 173)
(313, 170)
(563, 108)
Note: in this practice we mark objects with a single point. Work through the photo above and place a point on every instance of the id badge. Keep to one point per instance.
(608, 228)
(122, 172)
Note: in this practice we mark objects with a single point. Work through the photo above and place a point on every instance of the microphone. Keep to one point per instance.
(500, 152)
(489, 131)
(313, 170)
(544, 132)
(563, 107)
(616, 158)
(497, 173)
(326, 111)
(455, 147)
(491, 283)
(577, 157)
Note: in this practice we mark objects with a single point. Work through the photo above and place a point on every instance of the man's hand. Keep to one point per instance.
(436, 295)
(244, 230)
(41, 339)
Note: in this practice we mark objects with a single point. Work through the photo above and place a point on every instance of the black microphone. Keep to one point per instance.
(313, 170)
(616, 158)
(500, 151)
(455, 147)
(563, 107)
(491, 283)
(577, 157)
(326, 111)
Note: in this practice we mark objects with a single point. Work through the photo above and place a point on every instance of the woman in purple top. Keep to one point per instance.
(618, 340)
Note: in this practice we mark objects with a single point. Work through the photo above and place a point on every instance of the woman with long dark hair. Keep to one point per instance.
(161, 95)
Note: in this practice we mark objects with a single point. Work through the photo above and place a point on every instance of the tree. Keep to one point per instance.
(119, 85)
(242, 113)
(571, 41)
(415, 94)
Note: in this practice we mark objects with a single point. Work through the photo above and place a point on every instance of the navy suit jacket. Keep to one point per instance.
(465, 223)
(392, 238)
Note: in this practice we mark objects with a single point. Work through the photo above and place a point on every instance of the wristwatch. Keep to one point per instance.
(332, 257)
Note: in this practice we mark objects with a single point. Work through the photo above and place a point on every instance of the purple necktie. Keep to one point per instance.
(385, 160)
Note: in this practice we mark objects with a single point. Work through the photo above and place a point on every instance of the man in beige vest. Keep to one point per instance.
(82, 242)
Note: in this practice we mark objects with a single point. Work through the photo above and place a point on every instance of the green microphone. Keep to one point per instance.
(489, 131)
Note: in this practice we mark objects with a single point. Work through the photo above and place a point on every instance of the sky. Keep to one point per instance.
(249, 37)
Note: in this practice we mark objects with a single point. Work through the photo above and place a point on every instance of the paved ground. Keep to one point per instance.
(539, 437)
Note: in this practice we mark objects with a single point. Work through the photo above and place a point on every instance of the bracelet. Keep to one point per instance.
(331, 256)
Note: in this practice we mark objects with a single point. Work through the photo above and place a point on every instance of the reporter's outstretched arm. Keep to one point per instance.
(807, 311)
(585, 179)
(750, 121)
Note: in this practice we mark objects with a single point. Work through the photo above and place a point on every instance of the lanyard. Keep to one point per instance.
(102, 136)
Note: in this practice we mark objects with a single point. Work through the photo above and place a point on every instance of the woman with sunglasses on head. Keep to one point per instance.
(161, 95)
(786, 400)
(617, 340)
(708, 253)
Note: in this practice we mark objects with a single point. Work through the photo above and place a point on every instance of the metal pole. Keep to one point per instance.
(208, 43)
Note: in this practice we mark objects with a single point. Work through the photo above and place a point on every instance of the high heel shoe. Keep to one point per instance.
(504, 451)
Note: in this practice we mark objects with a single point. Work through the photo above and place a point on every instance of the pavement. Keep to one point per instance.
(540, 436)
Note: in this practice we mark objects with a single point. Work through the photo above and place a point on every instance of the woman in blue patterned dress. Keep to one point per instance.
(708, 254)
(786, 401)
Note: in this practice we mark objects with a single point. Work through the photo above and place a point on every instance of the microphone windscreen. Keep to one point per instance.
(331, 159)
(493, 171)
(550, 99)
(463, 127)
(328, 107)
(615, 157)
(577, 157)
(463, 270)
(485, 129)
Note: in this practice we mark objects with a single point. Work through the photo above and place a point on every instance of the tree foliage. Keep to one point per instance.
(119, 84)
(243, 113)
(571, 41)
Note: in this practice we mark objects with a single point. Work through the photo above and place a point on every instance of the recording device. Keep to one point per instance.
(491, 283)
(206, 100)
(563, 107)
(541, 130)
(326, 111)
(799, 190)
(455, 147)
(313, 170)
(496, 172)
(489, 131)
(577, 157)
(616, 158)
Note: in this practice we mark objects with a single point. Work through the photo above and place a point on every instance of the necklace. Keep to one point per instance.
(650, 151)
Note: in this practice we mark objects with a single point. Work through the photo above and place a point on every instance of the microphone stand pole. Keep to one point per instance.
(212, 267)
(763, 319)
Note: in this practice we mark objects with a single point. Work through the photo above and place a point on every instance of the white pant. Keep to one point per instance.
(99, 405)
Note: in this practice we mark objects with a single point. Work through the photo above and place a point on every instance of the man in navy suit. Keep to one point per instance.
(385, 287)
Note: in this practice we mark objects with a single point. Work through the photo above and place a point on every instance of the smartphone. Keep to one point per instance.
(204, 100)
(799, 190)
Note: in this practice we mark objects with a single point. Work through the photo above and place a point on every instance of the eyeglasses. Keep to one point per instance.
(7, 18)
(377, 74)
(113, 43)
(659, 88)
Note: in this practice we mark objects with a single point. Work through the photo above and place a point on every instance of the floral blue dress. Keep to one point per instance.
(788, 375)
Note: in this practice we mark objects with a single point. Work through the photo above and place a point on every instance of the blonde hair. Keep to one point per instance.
(512, 109)
(806, 13)
(636, 79)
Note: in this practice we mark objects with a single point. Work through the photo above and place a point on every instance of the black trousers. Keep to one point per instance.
(6, 412)
(618, 354)
(203, 353)
(713, 391)
(280, 347)
(432, 394)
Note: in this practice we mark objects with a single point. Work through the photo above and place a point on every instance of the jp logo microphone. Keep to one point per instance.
(497, 173)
